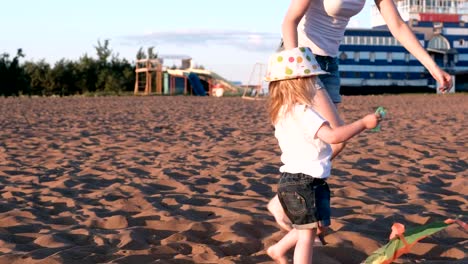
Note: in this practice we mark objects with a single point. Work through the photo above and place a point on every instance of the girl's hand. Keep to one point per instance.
(371, 120)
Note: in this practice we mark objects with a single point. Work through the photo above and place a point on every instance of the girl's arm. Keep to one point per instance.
(402, 32)
(343, 133)
(296, 11)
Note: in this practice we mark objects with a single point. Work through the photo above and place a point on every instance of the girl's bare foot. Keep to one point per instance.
(274, 206)
(280, 259)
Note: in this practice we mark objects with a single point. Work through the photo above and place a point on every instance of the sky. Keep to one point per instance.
(228, 37)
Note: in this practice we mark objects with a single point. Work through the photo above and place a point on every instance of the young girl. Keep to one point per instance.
(304, 138)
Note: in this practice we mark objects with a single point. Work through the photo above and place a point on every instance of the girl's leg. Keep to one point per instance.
(304, 246)
(275, 208)
(278, 251)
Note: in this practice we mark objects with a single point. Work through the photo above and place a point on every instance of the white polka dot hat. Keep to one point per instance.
(292, 63)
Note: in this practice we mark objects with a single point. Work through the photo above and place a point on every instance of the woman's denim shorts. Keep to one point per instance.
(331, 82)
(305, 199)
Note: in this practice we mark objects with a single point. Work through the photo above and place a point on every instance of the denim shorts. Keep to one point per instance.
(305, 200)
(331, 82)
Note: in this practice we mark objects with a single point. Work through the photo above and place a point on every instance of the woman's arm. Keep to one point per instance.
(401, 31)
(296, 11)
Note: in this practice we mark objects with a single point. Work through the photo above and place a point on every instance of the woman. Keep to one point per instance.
(320, 25)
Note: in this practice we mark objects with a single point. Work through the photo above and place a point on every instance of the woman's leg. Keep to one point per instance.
(328, 98)
(329, 111)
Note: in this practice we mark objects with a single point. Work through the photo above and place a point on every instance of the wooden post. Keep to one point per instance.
(172, 84)
(136, 81)
(159, 78)
(148, 78)
(150, 85)
(210, 87)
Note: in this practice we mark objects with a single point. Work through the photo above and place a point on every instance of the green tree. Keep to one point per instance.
(112, 74)
(64, 79)
(39, 76)
(106, 73)
(141, 55)
(13, 79)
(87, 70)
(151, 53)
(103, 51)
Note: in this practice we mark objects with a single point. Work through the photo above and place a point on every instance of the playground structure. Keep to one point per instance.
(152, 69)
(152, 78)
(255, 89)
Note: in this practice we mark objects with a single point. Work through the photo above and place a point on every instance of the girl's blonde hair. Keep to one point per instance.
(288, 93)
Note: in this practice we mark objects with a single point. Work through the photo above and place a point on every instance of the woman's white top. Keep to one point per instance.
(322, 27)
(302, 151)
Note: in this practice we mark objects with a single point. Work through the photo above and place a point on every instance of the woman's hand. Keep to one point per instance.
(443, 79)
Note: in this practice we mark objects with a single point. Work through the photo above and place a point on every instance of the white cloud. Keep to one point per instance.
(354, 23)
(246, 40)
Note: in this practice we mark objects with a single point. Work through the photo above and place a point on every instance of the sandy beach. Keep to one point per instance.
(187, 180)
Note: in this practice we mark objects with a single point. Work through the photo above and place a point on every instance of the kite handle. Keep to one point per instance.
(381, 112)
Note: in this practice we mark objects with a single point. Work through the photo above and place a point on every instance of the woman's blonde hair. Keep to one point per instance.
(287, 93)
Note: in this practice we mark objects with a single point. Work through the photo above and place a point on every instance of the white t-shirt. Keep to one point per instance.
(302, 151)
(323, 25)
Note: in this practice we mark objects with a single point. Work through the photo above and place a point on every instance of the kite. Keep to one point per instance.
(402, 241)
